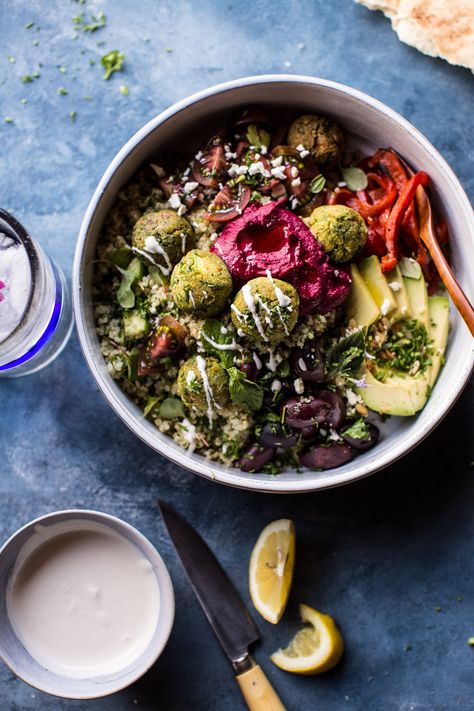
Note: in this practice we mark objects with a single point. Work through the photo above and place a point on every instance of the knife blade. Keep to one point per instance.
(223, 607)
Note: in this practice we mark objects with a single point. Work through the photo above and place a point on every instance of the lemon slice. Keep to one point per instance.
(271, 569)
(315, 648)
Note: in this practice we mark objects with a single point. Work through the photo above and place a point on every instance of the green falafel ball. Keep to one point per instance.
(201, 283)
(203, 383)
(323, 138)
(340, 230)
(266, 309)
(165, 236)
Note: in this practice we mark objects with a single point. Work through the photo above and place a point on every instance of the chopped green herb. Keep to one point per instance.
(92, 62)
(459, 598)
(354, 178)
(8, 119)
(243, 392)
(62, 91)
(36, 74)
(29, 25)
(438, 608)
(88, 98)
(150, 405)
(23, 101)
(124, 90)
(72, 116)
(470, 641)
(358, 429)
(35, 43)
(167, 49)
(11, 59)
(407, 348)
(408, 648)
(63, 70)
(317, 184)
(90, 25)
(112, 62)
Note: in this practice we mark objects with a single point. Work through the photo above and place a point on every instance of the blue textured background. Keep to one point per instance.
(381, 555)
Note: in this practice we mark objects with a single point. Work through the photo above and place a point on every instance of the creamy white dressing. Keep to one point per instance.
(238, 313)
(148, 256)
(232, 346)
(250, 303)
(154, 247)
(189, 434)
(83, 600)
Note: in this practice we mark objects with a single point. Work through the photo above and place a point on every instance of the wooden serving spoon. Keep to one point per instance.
(428, 237)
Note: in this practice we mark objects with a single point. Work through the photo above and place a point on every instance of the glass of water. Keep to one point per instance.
(35, 303)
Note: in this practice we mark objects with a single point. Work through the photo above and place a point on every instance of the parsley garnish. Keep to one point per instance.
(92, 25)
(407, 348)
(112, 62)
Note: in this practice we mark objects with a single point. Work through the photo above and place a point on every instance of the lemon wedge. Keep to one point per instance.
(315, 648)
(271, 569)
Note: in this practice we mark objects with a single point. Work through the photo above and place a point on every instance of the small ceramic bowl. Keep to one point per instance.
(22, 663)
(369, 125)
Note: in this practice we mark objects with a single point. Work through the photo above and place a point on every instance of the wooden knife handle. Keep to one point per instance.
(257, 691)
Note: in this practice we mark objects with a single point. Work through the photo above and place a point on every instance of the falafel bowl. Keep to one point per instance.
(266, 300)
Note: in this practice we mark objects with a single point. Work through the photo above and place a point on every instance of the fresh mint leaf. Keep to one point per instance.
(243, 392)
(130, 277)
(346, 357)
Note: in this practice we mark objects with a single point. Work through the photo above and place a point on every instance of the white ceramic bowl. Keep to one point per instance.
(370, 125)
(27, 668)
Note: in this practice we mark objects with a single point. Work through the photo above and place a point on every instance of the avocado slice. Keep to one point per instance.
(359, 304)
(438, 307)
(383, 296)
(395, 282)
(397, 395)
(418, 297)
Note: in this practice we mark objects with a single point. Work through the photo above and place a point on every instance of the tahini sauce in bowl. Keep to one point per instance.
(83, 600)
(86, 604)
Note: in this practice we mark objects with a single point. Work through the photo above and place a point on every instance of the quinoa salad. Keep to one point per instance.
(267, 300)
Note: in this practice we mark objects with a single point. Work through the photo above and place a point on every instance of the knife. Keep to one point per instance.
(224, 609)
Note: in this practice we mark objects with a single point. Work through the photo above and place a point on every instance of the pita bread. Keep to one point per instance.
(439, 28)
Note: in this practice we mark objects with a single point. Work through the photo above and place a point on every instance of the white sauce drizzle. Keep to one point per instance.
(232, 346)
(201, 364)
(238, 313)
(154, 247)
(257, 361)
(250, 303)
(148, 256)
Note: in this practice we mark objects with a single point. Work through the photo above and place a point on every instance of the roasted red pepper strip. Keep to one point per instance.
(397, 214)
(389, 193)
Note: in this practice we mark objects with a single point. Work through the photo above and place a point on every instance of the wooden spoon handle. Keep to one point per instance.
(457, 295)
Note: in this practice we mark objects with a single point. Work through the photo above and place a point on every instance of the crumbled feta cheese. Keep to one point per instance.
(263, 150)
(186, 172)
(334, 436)
(302, 150)
(299, 386)
(276, 162)
(189, 187)
(199, 155)
(258, 167)
(294, 171)
(278, 173)
(395, 285)
(352, 397)
(174, 201)
(341, 184)
(385, 307)
(295, 182)
(238, 170)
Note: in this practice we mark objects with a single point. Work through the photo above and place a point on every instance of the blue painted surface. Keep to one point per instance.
(380, 556)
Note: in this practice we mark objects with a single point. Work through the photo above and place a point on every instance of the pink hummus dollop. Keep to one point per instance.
(270, 238)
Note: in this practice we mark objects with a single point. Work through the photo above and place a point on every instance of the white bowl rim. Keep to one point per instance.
(205, 468)
(166, 593)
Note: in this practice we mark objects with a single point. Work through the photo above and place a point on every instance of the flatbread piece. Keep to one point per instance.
(439, 28)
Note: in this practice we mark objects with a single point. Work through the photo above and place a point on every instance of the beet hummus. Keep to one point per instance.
(270, 238)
